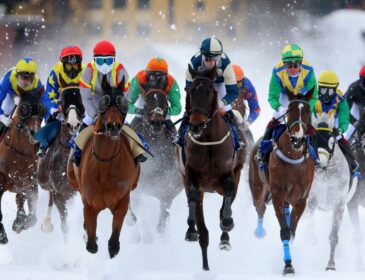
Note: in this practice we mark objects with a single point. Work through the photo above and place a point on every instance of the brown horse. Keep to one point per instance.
(290, 174)
(18, 161)
(211, 163)
(52, 167)
(160, 175)
(107, 172)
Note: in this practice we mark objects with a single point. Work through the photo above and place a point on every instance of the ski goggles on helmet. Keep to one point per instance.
(72, 59)
(69, 66)
(326, 93)
(209, 58)
(108, 60)
(157, 75)
(292, 64)
(24, 79)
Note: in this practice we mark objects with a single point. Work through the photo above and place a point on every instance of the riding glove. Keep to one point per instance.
(6, 120)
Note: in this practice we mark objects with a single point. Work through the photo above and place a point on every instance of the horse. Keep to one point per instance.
(160, 175)
(240, 106)
(18, 161)
(107, 172)
(289, 176)
(329, 191)
(357, 141)
(211, 164)
(51, 170)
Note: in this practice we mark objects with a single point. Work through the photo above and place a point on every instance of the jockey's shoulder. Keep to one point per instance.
(339, 93)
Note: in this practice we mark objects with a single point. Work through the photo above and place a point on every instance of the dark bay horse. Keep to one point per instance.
(159, 175)
(290, 174)
(18, 161)
(51, 172)
(211, 164)
(107, 172)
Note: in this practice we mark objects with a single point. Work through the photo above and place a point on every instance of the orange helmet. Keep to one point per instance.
(157, 64)
(240, 75)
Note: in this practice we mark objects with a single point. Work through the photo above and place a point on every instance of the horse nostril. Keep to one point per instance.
(68, 125)
(119, 126)
(109, 126)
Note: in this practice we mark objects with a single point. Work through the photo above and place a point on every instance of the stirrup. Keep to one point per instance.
(41, 152)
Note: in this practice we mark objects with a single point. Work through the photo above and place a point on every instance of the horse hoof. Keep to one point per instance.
(260, 233)
(47, 228)
(3, 238)
(227, 224)
(225, 245)
(288, 270)
(331, 266)
(17, 227)
(92, 248)
(191, 236)
(206, 268)
(113, 249)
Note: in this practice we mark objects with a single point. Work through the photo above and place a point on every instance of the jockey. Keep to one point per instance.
(155, 72)
(103, 65)
(211, 55)
(18, 80)
(69, 70)
(246, 88)
(355, 96)
(297, 75)
(332, 102)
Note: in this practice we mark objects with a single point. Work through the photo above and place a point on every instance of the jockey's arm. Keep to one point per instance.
(312, 83)
(274, 92)
(51, 98)
(343, 115)
(231, 85)
(86, 93)
(174, 98)
(5, 87)
(252, 100)
(134, 94)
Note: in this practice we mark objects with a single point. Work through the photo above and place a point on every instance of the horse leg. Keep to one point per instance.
(336, 222)
(165, 204)
(18, 224)
(280, 210)
(32, 199)
(193, 199)
(202, 231)
(47, 226)
(260, 206)
(3, 236)
(353, 209)
(118, 217)
(60, 202)
(90, 216)
(226, 222)
(131, 218)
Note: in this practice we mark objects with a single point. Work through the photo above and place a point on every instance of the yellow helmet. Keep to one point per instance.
(328, 79)
(26, 65)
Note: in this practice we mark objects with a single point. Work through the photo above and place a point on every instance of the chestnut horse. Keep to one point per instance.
(18, 161)
(51, 172)
(290, 174)
(160, 175)
(211, 164)
(107, 172)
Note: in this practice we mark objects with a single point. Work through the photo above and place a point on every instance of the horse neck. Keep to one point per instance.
(18, 140)
(104, 147)
(216, 128)
(64, 136)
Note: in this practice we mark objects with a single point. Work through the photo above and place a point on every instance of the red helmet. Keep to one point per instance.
(104, 48)
(362, 71)
(71, 50)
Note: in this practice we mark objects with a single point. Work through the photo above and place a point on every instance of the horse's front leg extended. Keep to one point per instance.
(203, 231)
(47, 226)
(192, 194)
(227, 223)
(118, 217)
(3, 236)
(90, 216)
(32, 199)
(281, 211)
(18, 224)
(336, 222)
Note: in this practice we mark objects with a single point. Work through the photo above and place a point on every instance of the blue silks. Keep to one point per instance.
(47, 133)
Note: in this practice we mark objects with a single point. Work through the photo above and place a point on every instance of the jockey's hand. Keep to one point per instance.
(221, 104)
(5, 120)
(56, 114)
(303, 91)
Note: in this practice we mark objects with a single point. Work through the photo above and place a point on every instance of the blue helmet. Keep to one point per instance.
(211, 47)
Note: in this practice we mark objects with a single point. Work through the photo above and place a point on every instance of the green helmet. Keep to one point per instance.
(291, 52)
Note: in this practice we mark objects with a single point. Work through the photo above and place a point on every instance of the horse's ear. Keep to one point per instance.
(121, 85)
(62, 82)
(192, 72)
(290, 94)
(212, 73)
(144, 88)
(105, 85)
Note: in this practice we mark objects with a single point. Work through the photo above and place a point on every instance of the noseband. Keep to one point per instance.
(293, 139)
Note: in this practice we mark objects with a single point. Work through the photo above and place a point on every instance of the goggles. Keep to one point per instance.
(108, 60)
(292, 64)
(25, 76)
(156, 75)
(211, 58)
(70, 66)
(72, 59)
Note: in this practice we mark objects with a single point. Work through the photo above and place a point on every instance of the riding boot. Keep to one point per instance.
(260, 157)
(76, 155)
(346, 150)
(183, 127)
(231, 120)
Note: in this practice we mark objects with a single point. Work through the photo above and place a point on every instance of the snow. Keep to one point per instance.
(32, 255)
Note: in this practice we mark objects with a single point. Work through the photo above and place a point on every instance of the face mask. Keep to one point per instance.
(104, 69)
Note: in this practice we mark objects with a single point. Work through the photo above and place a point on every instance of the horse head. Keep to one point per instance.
(30, 113)
(72, 108)
(201, 99)
(298, 119)
(156, 105)
(325, 137)
(113, 108)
